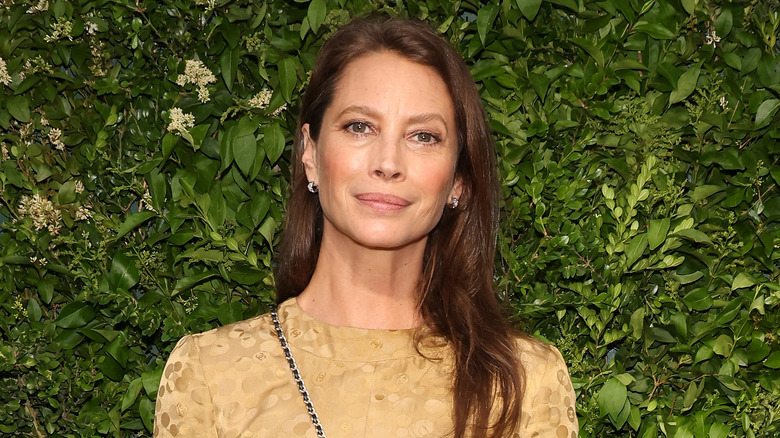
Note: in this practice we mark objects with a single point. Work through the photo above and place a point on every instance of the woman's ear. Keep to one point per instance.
(309, 158)
(457, 188)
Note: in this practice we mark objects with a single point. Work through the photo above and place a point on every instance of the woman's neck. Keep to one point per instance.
(363, 287)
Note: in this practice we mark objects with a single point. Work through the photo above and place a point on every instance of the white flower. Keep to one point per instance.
(83, 213)
(711, 38)
(279, 110)
(42, 212)
(62, 28)
(146, 199)
(42, 5)
(54, 138)
(723, 102)
(5, 78)
(261, 99)
(4, 155)
(180, 121)
(79, 186)
(196, 73)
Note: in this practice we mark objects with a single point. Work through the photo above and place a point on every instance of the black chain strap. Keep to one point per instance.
(315, 420)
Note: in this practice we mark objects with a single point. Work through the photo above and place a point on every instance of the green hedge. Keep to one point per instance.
(145, 162)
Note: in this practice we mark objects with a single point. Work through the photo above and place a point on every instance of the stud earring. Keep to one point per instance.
(314, 188)
(454, 202)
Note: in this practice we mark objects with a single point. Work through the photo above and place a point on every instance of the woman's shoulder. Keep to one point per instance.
(251, 336)
(536, 354)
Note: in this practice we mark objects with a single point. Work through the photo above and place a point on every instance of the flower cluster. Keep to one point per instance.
(42, 212)
(35, 65)
(41, 6)
(711, 38)
(61, 29)
(146, 201)
(4, 155)
(96, 50)
(83, 213)
(54, 138)
(180, 121)
(196, 73)
(5, 78)
(79, 186)
(261, 99)
(279, 110)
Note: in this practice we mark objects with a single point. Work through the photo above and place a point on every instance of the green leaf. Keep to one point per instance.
(698, 299)
(635, 248)
(168, 142)
(288, 77)
(724, 23)
(705, 191)
(540, 82)
(590, 48)
(189, 281)
(612, 397)
(125, 270)
(244, 151)
(229, 66)
(773, 361)
(67, 193)
(742, 280)
(133, 221)
(689, 6)
(485, 18)
(46, 289)
(34, 311)
(686, 83)
(656, 232)
(529, 8)
(74, 315)
(146, 409)
(19, 108)
(695, 235)
(273, 142)
(766, 111)
(637, 322)
(131, 394)
(316, 14)
(151, 380)
(655, 30)
(723, 345)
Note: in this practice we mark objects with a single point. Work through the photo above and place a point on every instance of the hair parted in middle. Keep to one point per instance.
(457, 298)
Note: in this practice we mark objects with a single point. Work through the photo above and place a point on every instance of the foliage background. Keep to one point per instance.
(639, 156)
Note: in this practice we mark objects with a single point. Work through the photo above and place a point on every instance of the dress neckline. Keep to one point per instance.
(349, 343)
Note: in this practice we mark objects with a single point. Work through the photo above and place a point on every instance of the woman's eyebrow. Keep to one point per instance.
(374, 113)
(360, 109)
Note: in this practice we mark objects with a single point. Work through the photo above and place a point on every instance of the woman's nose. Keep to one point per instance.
(388, 159)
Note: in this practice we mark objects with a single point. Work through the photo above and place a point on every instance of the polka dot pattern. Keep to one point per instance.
(235, 382)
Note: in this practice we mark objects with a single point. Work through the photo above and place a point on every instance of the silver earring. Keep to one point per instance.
(454, 202)
(313, 187)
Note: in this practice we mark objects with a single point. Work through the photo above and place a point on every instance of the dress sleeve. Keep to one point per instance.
(184, 407)
(548, 408)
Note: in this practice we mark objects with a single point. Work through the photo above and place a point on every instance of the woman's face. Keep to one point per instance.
(386, 153)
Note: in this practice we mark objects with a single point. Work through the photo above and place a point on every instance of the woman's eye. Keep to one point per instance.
(358, 127)
(425, 137)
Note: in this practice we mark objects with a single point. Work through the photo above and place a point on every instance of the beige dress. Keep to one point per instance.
(234, 381)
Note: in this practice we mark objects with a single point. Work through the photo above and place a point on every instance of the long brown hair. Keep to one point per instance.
(457, 298)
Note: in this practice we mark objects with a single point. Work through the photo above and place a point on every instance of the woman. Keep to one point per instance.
(388, 324)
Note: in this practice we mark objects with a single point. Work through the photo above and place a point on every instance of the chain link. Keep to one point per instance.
(315, 420)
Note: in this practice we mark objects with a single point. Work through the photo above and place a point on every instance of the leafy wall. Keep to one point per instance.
(145, 155)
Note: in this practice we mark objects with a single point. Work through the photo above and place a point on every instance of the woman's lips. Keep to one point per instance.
(383, 201)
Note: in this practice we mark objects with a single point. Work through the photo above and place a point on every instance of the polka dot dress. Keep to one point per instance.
(235, 382)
